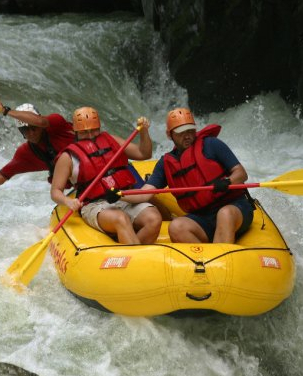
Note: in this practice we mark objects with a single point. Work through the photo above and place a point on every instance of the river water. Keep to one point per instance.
(116, 64)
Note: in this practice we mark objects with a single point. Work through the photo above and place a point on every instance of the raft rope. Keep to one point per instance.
(262, 213)
(200, 265)
(257, 202)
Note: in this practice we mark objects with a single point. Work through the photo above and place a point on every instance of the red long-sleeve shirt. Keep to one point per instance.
(60, 134)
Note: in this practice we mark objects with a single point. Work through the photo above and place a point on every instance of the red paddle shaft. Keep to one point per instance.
(185, 189)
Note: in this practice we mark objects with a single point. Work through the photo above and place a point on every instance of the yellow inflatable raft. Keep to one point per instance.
(250, 277)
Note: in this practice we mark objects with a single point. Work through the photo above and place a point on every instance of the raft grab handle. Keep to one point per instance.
(198, 298)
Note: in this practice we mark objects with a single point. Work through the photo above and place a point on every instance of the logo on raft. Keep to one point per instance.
(115, 262)
(270, 262)
(196, 248)
(58, 256)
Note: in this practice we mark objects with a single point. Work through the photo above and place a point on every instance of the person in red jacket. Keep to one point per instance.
(197, 159)
(46, 136)
(81, 162)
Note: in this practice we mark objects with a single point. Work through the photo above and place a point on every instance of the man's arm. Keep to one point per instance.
(216, 149)
(26, 117)
(144, 149)
(2, 179)
(136, 199)
(238, 174)
(156, 180)
(62, 173)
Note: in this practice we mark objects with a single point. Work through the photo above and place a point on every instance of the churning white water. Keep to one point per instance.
(115, 63)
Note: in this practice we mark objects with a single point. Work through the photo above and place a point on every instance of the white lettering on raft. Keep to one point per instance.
(115, 262)
(270, 262)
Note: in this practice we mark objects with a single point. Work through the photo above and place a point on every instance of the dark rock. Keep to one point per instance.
(58, 6)
(7, 369)
(224, 52)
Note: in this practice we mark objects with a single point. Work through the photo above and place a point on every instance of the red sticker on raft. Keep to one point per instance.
(270, 262)
(115, 262)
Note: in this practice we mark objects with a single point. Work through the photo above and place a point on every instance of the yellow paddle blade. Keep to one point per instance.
(290, 175)
(27, 264)
(292, 187)
(291, 182)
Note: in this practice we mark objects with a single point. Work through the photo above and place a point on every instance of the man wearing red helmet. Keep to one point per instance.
(81, 162)
(198, 159)
(45, 135)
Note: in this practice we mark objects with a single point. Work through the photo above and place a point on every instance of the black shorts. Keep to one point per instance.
(208, 221)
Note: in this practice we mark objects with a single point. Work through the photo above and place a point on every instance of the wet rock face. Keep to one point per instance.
(49, 6)
(12, 370)
(224, 52)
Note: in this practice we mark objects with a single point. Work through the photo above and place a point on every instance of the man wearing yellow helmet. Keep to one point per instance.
(198, 159)
(81, 162)
(45, 135)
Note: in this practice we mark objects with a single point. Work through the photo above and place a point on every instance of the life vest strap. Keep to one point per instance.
(111, 171)
(100, 152)
(184, 171)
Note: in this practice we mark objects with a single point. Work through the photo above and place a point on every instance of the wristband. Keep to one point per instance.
(6, 110)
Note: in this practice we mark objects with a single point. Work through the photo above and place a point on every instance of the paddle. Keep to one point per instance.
(291, 182)
(24, 268)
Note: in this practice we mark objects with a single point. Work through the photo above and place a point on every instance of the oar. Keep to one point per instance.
(24, 268)
(291, 182)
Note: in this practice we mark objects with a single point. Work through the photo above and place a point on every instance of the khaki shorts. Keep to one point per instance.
(90, 211)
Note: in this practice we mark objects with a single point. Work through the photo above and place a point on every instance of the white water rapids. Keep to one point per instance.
(62, 62)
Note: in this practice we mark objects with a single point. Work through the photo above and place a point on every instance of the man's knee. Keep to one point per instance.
(151, 217)
(229, 218)
(118, 218)
(229, 213)
(176, 227)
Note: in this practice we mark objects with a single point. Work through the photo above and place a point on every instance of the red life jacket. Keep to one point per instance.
(93, 156)
(193, 169)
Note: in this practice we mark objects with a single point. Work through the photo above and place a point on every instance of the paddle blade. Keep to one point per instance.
(291, 183)
(290, 175)
(24, 268)
(292, 187)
